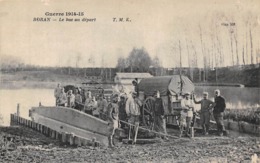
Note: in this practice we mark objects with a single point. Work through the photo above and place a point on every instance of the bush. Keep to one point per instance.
(251, 115)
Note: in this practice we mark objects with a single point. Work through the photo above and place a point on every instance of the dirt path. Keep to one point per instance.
(20, 144)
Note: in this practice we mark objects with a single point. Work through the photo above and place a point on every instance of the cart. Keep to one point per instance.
(171, 89)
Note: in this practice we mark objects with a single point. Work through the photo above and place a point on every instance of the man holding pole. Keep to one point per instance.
(133, 113)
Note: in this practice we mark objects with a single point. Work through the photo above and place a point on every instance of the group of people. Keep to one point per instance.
(127, 110)
(208, 109)
(82, 101)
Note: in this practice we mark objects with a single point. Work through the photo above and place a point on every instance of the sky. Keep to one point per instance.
(165, 28)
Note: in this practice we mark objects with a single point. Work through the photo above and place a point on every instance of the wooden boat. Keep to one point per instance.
(63, 119)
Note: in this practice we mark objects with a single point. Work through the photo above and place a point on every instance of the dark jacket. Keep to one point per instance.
(159, 107)
(220, 105)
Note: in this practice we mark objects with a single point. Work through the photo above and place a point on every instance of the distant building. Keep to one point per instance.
(127, 78)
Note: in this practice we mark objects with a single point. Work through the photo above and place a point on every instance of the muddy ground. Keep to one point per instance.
(19, 144)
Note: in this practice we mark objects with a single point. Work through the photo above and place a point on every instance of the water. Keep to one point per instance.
(27, 98)
(235, 97)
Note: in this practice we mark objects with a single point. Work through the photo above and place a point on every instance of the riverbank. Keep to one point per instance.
(25, 145)
(50, 78)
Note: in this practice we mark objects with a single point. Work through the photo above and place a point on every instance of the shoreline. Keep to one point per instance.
(53, 84)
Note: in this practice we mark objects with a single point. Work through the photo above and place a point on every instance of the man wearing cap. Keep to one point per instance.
(57, 93)
(136, 88)
(187, 111)
(133, 113)
(112, 115)
(219, 108)
(206, 108)
(102, 107)
(62, 98)
(159, 118)
(122, 112)
(71, 99)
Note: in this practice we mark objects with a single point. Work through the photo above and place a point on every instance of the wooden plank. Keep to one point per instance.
(142, 141)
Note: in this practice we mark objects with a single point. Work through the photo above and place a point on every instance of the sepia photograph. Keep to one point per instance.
(130, 81)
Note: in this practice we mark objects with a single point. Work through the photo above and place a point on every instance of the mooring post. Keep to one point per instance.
(18, 110)
(40, 104)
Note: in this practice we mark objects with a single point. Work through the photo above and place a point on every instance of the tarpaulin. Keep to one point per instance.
(166, 85)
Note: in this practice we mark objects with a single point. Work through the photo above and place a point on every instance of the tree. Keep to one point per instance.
(156, 62)
(139, 60)
(121, 64)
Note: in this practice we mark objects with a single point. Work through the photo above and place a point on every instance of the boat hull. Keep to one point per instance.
(69, 120)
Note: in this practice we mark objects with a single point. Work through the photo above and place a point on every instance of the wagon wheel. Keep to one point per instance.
(148, 112)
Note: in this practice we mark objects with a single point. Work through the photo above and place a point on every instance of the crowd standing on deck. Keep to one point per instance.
(128, 110)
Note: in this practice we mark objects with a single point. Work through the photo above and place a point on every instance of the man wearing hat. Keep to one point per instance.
(112, 115)
(206, 108)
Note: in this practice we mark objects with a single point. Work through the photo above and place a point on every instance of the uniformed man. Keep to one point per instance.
(205, 111)
(113, 120)
(159, 119)
(219, 108)
(71, 99)
(57, 93)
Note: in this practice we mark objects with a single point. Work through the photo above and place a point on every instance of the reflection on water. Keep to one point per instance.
(26, 98)
(235, 98)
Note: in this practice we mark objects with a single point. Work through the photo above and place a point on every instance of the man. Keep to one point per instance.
(102, 107)
(78, 100)
(219, 108)
(187, 111)
(159, 119)
(122, 112)
(87, 108)
(136, 88)
(71, 99)
(205, 111)
(93, 106)
(112, 115)
(57, 92)
(62, 98)
(133, 113)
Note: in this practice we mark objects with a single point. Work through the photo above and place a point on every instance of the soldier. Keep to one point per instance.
(78, 100)
(57, 93)
(113, 120)
(62, 98)
(71, 99)
(159, 119)
(205, 111)
(219, 108)
(102, 107)
(122, 112)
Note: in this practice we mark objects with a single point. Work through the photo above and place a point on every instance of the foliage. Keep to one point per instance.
(247, 115)
(138, 60)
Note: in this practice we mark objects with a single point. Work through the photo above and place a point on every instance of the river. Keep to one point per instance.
(235, 97)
